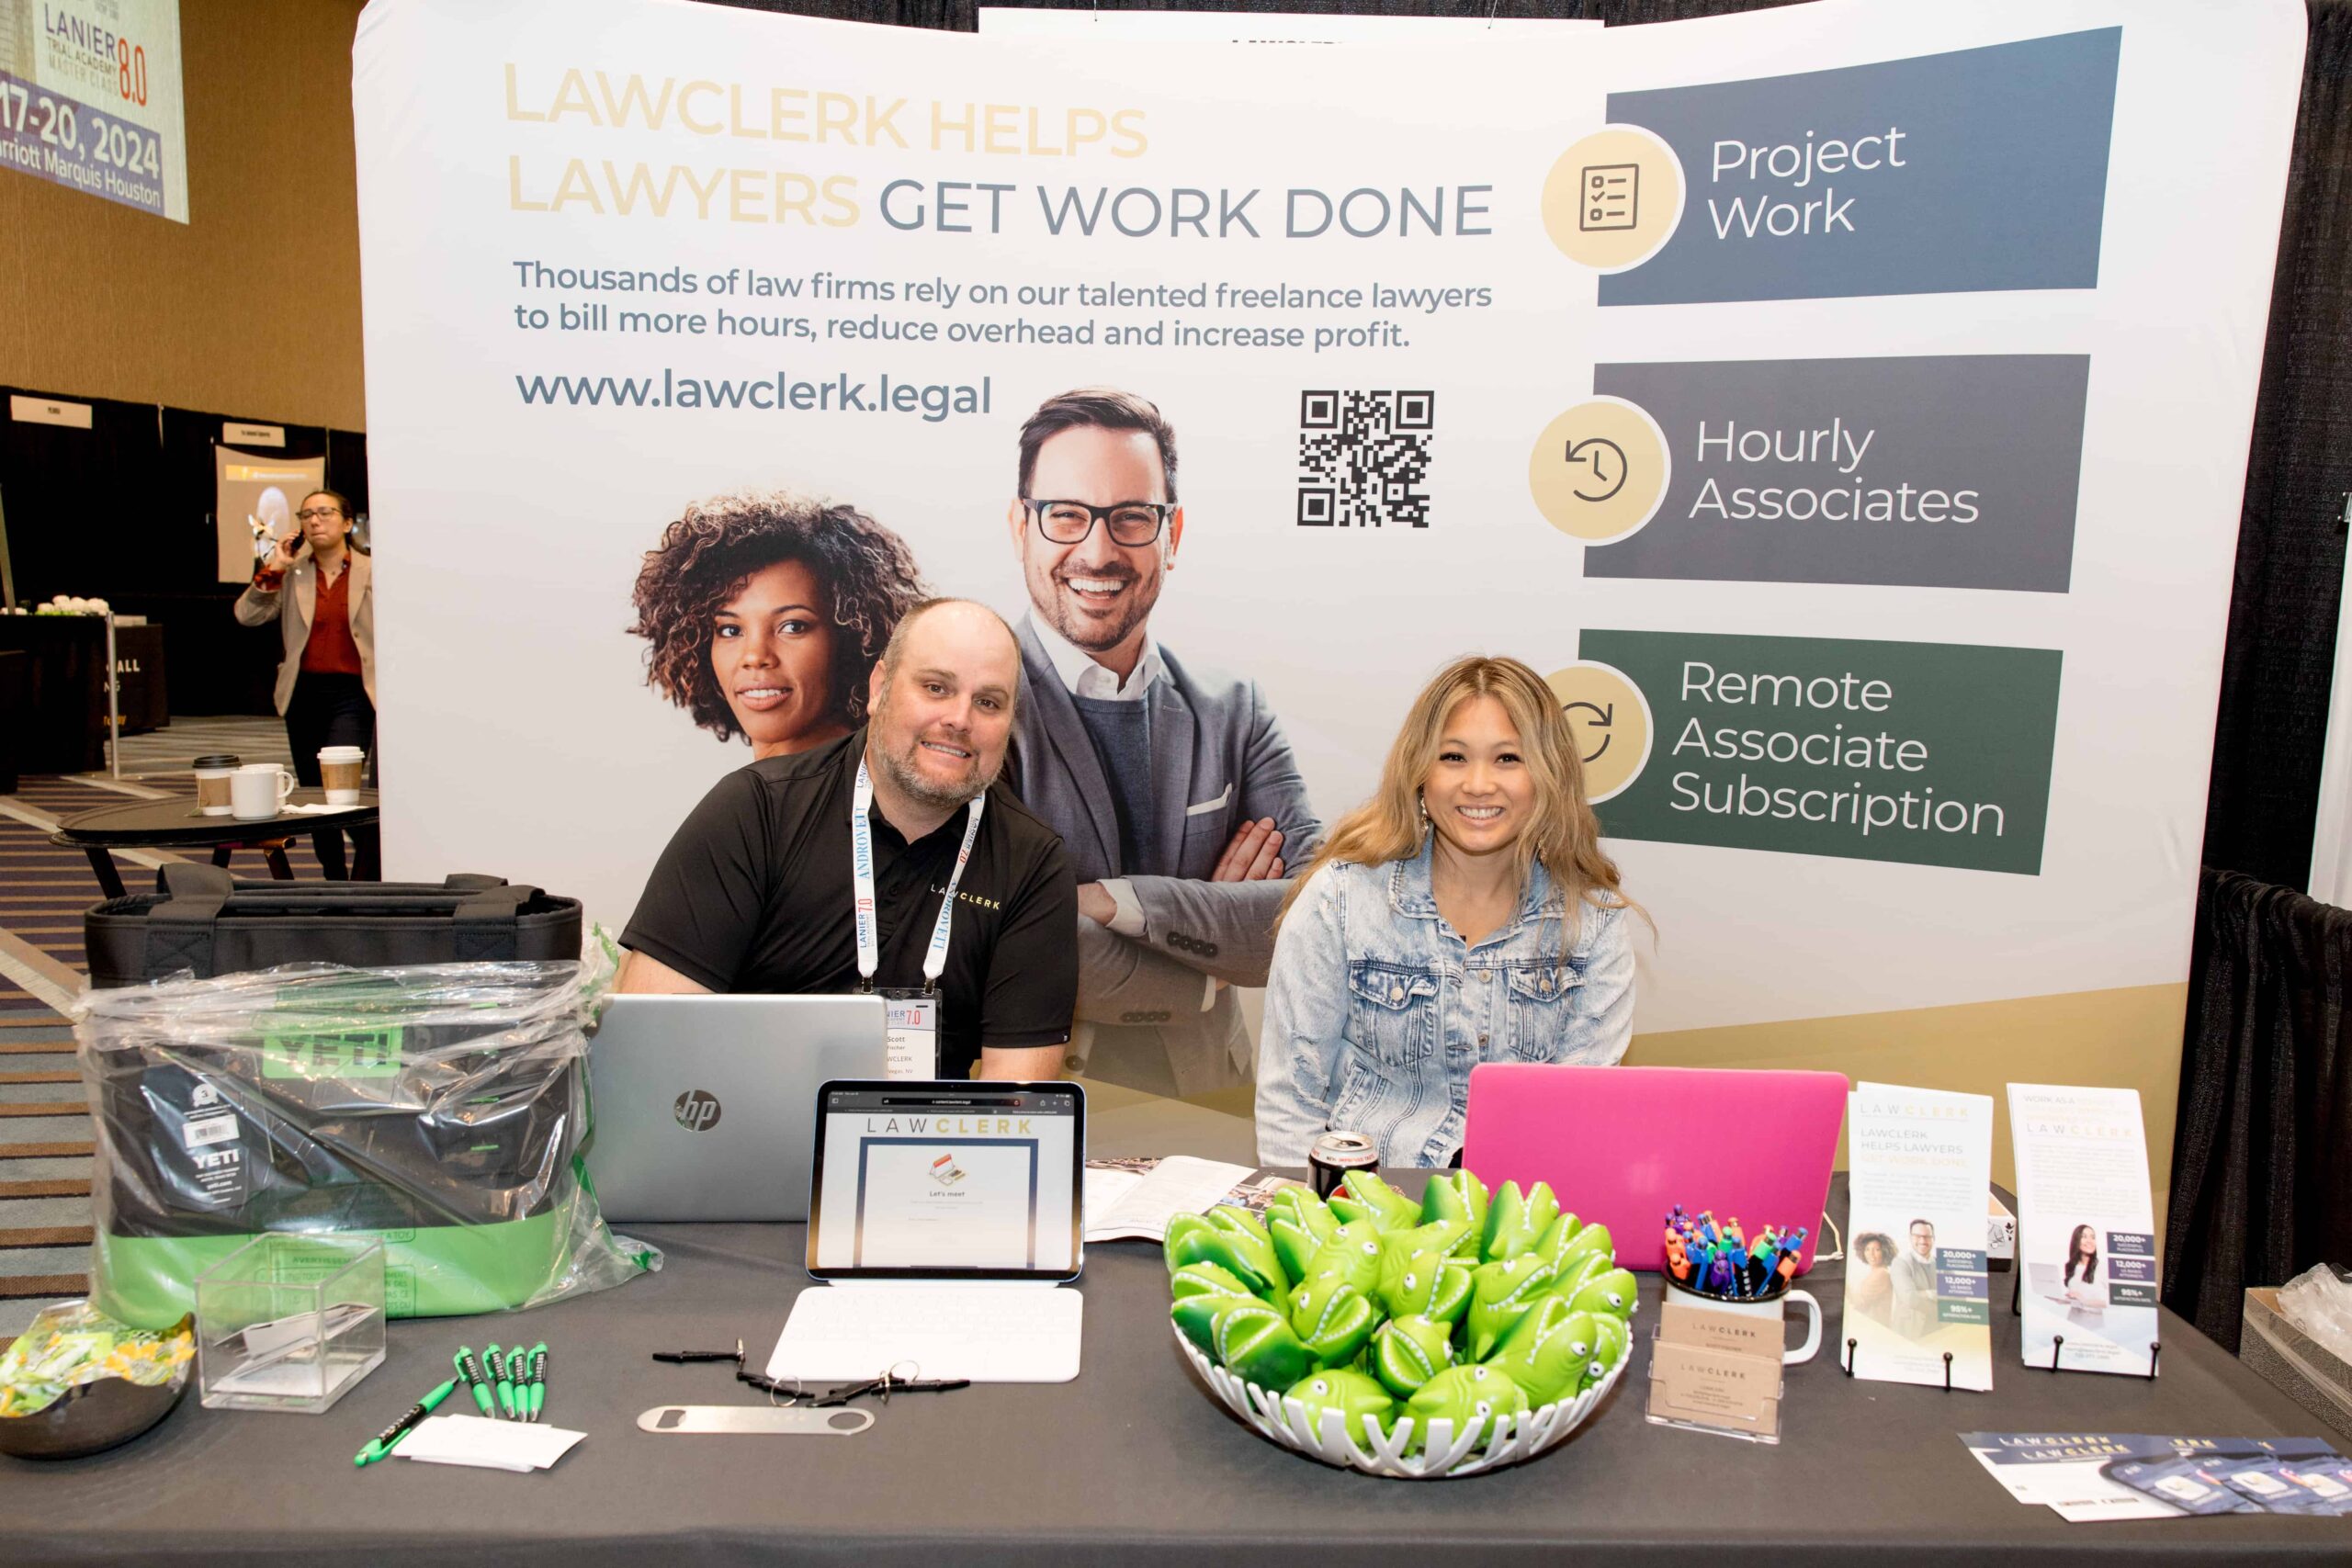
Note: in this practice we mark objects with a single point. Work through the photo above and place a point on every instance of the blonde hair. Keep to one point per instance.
(1563, 836)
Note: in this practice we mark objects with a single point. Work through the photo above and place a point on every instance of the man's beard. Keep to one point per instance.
(1080, 630)
(912, 782)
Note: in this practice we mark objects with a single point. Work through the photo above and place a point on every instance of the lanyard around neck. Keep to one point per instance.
(861, 871)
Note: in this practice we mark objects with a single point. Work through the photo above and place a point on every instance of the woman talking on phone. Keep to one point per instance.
(1464, 914)
(320, 591)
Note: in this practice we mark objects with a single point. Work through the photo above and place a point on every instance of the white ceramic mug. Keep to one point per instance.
(1771, 1308)
(339, 771)
(259, 791)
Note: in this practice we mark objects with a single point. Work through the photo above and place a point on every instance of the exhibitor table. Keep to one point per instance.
(1132, 1463)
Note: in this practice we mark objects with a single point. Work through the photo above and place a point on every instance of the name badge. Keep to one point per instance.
(911, 1031)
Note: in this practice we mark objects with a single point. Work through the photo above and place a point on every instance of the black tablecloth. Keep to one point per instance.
(1133, 1464)
(61, 725)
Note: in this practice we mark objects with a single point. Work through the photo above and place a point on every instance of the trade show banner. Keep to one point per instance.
(90, 99)
(1845, 405)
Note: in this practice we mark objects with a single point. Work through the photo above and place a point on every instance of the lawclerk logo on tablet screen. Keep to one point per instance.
(950, 1176)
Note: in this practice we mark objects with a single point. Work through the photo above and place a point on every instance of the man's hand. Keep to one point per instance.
(1096, 903)
(1255, 855)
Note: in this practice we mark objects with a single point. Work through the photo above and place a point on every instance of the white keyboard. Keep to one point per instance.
(986, 1333)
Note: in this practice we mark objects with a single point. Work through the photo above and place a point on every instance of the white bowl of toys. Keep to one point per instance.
(1417, 1341)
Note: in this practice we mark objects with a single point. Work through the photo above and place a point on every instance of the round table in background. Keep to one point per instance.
(176, 824)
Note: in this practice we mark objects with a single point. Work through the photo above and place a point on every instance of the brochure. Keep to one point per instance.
(1135, 1198)
(2086, 1232)
(1917, 1298)
(2089, 1476)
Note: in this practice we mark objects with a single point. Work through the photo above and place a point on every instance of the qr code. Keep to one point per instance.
(1364, 458)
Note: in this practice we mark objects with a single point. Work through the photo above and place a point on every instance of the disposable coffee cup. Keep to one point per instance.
(212, 774)
(339, 770)
(258, 791)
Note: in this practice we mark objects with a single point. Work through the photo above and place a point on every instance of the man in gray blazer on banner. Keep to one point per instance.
(1174, 792)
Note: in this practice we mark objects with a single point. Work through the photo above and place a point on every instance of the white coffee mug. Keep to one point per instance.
(1771, 1307)
(259, 791)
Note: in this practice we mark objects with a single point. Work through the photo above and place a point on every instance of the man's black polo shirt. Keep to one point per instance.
(753, 895)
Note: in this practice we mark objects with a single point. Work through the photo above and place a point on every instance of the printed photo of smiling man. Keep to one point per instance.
(1173, 790)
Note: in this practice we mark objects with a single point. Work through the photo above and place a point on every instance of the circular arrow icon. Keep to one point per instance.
(1602, 717)
(1603, 707)
(1607, 460)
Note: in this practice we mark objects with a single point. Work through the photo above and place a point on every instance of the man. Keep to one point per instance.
(1171, 783)
(1915, 1284)
(326, 685)
(756, 891)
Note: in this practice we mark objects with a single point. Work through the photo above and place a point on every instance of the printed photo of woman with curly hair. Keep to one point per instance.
(766, 611)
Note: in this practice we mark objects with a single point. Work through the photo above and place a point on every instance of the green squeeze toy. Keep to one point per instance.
(1299, 1228)
(1456, 1195)
(1613, 1292)
(1470, 1397)
(1257, 1345)
(1427, 1283)
(1207, 1280)
(1196, 1316)
(1593, 1241)
(1194, 1239)
(1353, 1395)
(1364, 1196)
(1353, 1253)
(1610, 1340)
(1550, 1351)
(1499, 1294)
(1332, 1319)
(1408, 1351)
(1516, 1224)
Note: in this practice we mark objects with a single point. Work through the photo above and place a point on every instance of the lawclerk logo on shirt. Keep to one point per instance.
(952, 1126)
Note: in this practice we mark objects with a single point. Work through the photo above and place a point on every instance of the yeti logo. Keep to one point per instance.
(698, 1111)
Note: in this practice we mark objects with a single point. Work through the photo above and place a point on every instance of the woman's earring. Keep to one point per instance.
(1422, 802)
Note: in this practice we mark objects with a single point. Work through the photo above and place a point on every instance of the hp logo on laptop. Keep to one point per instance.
(698, 1111)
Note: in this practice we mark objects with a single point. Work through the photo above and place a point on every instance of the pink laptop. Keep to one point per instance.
(1621, 1145)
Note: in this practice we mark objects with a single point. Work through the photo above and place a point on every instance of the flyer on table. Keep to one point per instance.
(1916, 1283)
(2086, 1232)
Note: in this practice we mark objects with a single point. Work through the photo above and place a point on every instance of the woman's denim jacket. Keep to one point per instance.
(1377, 1011)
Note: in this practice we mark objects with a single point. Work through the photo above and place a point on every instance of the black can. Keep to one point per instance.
(1335, 1154)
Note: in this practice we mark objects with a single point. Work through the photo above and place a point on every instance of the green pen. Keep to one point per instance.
(471, 1368)
(539, 1378)
(389, 1438)
(502, 1376)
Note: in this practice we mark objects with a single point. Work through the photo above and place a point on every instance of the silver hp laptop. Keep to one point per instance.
(941, 1218)
(703, 1104)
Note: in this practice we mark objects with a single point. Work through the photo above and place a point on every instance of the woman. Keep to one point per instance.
(1874, 1293)
(322, 594)
(1464, 914)
(766, 612)
(2080, 1281)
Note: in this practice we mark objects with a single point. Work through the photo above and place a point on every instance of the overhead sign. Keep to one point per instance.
(90, 99)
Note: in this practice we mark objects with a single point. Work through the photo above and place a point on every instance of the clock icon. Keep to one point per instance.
(1606, 461)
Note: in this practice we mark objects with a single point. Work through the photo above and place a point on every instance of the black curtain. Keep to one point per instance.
(84, 508)
(2278, 663)
(2262, 1187)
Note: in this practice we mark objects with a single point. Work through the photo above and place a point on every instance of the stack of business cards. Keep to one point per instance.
(486, 1444)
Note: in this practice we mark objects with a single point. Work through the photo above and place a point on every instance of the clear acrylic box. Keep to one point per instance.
(289, 1321)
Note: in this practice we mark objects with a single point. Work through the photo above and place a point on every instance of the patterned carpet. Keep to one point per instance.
(44, 1121)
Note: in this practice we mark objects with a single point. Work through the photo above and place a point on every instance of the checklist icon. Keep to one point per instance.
(1611, 194)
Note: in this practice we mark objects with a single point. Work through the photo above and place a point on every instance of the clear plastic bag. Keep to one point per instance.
(441, 1107)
